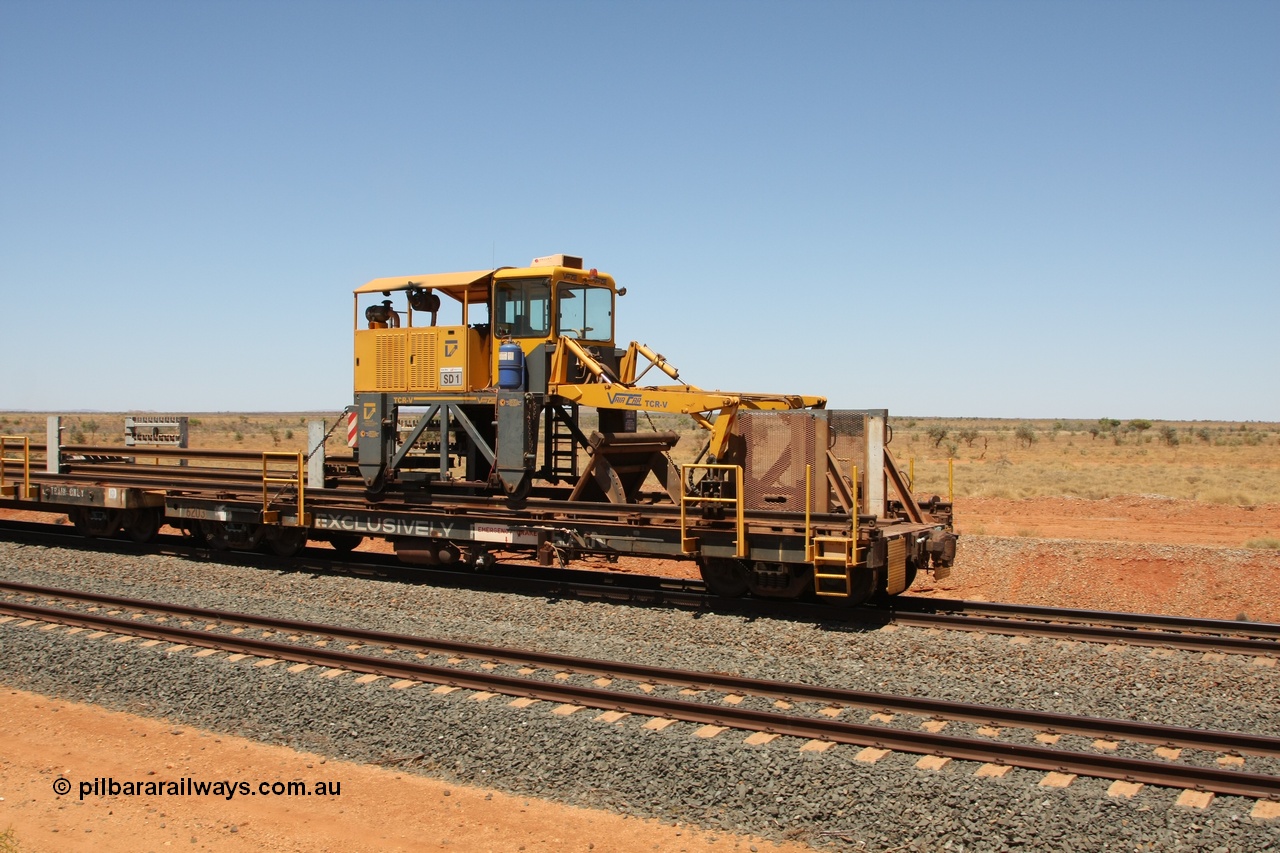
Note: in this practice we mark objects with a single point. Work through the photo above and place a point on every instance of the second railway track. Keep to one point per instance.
(370, 653)
(1140, 629)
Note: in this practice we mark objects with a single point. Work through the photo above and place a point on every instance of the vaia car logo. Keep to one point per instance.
(621, 398)
(618, 398)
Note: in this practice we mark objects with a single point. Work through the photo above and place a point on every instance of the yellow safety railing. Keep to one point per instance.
(690, 545)
(295, 479)
(853, 533)
(808, 506)
(15, 441)
(951, 477)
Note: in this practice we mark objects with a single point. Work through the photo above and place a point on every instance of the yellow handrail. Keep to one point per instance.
(15, 440)
(270, 516)
(690, 546)
(808, 501)
(853, 533)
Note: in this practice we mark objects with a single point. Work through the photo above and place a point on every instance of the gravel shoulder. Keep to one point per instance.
(776, 791)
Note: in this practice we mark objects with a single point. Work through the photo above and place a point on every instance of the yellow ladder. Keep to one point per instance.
(829, 554)
(294, 478)
(12, 491)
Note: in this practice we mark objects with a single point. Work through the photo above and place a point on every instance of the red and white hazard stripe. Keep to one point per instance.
(351, 429)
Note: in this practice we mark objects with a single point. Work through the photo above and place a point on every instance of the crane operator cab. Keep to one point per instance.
(454, 332)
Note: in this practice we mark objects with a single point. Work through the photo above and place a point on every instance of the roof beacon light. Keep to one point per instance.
(570, 261)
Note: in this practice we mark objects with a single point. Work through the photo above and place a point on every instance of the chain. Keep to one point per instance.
(312, 452)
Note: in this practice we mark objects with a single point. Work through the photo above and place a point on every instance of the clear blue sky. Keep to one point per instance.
(1005, 209)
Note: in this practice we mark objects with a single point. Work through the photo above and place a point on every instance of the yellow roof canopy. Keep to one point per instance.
(474, 284)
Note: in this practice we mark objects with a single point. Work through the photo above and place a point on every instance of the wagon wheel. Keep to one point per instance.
(725, 578)
(142, 525)
(92, 523)
(213, 535)
(345, 543)
(287, 541)
(866, 583)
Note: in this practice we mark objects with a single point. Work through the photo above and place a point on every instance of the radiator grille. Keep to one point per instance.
(391, 362)
(422, 362)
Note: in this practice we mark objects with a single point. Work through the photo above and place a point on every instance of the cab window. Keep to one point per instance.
(585, 313)
(521, 308)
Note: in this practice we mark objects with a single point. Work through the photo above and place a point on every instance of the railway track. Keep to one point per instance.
(1016, 620)
(1149, 630)
(629, 689)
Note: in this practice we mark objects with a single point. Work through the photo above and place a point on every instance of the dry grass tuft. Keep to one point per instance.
(1222, 463)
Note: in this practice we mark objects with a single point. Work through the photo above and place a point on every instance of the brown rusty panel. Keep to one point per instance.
(111, 497)
(779, 446)
(896, 581)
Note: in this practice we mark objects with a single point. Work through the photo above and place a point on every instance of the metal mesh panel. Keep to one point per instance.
(778, 447)
(848, 439)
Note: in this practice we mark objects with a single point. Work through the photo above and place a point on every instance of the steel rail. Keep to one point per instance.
(915, 604)
(1232, 782)
(535, 580)
(158, 451)
(171, 476)
(163, 451)
(1257, 639)
(1090, 633)
(792, 692)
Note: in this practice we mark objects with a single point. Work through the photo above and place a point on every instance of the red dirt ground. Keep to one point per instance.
(1131, 518)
